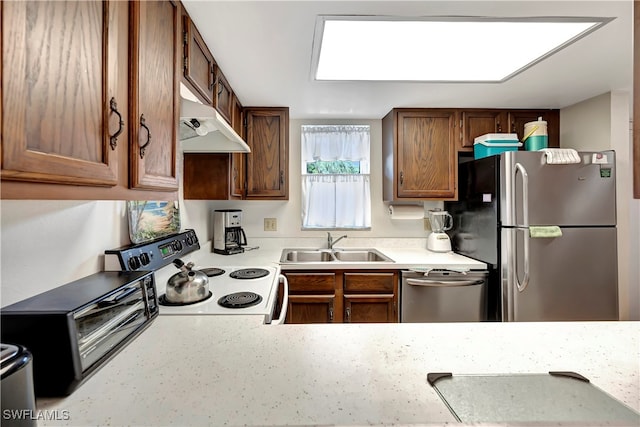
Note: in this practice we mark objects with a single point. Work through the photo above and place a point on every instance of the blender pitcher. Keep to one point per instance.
(440, 221)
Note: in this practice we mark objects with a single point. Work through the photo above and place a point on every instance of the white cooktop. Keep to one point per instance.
(222, 285)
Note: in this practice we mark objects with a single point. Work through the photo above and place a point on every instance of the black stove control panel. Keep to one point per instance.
(151, 256)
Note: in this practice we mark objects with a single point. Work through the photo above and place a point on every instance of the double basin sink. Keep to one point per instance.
(332, 255)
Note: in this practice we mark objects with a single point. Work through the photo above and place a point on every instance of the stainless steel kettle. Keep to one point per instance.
(187, 286)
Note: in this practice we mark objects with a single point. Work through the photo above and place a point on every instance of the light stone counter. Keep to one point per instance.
(218, 370)
(270, 253)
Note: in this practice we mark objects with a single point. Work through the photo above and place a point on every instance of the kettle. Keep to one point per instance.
(187, 286)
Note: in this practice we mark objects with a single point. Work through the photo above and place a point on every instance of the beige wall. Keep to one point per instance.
(602, 123)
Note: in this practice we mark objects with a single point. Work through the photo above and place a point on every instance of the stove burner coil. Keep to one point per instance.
(162, 300)
(240, 300)
(212, 272)
(249, 273)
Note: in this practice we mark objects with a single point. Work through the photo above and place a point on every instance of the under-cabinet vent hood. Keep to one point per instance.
(203, 130)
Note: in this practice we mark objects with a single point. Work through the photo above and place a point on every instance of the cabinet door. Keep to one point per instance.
(369, 309)
(198, 62)
(267, 134)
(223, 96)
(206, 176)
(57, 82)
(238, 160)
(518, 118)
(154, 106)
(474, 123)
(310, 309)
(427, 160)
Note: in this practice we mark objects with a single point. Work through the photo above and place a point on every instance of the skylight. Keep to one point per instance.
(439, 49)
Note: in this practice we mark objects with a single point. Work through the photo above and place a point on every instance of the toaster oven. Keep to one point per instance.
(74, 329)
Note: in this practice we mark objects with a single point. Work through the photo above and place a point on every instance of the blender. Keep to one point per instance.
(438, 240)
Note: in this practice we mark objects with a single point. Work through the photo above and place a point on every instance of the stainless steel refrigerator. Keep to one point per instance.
(569, 275)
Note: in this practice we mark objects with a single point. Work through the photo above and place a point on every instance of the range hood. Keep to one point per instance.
(203, 130)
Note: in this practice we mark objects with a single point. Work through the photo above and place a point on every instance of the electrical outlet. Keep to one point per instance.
(270, 224)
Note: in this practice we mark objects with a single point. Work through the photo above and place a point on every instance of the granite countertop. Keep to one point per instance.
(219, 370)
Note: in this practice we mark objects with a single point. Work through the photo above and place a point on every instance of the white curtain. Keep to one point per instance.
(336, 200)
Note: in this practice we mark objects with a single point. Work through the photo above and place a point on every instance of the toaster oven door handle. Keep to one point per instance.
(285, 301)
(119, 297)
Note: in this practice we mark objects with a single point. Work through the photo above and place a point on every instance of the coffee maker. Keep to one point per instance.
(228, 235)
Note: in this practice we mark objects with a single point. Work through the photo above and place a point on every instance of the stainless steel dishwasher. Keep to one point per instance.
(443, 296)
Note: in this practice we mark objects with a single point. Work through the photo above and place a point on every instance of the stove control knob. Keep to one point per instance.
(134, 262)
(177, 246)
(144, 258)
(189, 240)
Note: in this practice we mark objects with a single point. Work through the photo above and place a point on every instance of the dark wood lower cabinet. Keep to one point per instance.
(311, 309)
(369, 308)
(342, 296)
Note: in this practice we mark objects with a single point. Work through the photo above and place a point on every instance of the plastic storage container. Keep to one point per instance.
(492, 144)
(535, 135)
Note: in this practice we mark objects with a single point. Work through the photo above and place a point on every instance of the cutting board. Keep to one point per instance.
(530, 398)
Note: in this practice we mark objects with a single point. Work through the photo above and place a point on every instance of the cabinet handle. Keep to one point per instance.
(113, 139)
(401, 178)
(348, 314)
(144, 146)
(281, 177)
(513, 127)
(331, 313)
(213, 78)
(499, 128)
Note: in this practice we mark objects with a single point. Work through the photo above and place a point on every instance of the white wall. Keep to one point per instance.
(47, 243)
(602, 123)
(288, 213)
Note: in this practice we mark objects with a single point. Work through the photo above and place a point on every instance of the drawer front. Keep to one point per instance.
(369, 282)
(311, 282)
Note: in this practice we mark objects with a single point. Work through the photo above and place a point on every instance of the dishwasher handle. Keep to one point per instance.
(443, 283)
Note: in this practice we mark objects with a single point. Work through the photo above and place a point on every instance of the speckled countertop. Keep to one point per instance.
(233, 370)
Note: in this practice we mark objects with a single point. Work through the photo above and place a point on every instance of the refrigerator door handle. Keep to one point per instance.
(525, 194)
(525, 280)
(518, 168)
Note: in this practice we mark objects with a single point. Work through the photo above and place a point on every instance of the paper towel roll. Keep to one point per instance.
(406, 212)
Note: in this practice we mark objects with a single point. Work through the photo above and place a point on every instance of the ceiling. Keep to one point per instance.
(264, 49)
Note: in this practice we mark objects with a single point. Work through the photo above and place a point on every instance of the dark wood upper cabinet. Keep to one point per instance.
(57, 83)
(223, 96)
(198, 62)
(206, 176)
(474, 123)
(238, 160)
(518, 118)
(154, 79)
(267, 134)
(636, 99)
(85, 86)
(419, 153)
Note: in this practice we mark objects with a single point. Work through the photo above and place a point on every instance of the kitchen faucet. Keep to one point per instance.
(331, 242)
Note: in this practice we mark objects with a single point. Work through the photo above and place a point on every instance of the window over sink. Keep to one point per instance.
(335, 169)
